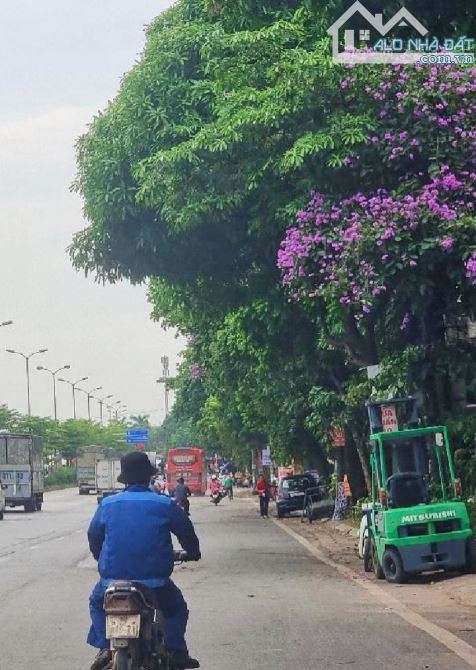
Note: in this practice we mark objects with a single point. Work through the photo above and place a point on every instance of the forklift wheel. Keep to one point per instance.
(392, 567)
(368, 564)
(377, 568)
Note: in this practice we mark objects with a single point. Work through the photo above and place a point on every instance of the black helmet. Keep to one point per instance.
(136, 468)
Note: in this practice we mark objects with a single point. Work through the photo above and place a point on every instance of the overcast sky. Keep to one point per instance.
(60, 62)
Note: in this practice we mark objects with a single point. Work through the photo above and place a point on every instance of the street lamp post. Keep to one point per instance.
(73, 386)
(90, 397)
(101, 402)
(27, 361)
(116, 410)
(53, 373)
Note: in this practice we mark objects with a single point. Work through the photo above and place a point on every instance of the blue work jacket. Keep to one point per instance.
(130, 536)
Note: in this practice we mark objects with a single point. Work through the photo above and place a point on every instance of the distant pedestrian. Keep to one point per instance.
(229, 486)
(262, 489)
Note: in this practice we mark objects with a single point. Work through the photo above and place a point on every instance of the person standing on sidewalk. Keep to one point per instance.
(262, 488)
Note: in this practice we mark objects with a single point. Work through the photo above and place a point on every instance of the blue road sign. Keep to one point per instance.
(137, 435)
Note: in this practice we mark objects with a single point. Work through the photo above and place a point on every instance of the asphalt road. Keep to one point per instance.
(258, 600)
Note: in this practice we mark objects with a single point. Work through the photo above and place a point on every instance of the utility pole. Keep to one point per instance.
(165, 380)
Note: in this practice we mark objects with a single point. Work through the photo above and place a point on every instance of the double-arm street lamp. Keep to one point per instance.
(114, 408)
(53, 373)
(101, 403)
(73, 386)
(6, 323)
(90, 396)
(27, 361)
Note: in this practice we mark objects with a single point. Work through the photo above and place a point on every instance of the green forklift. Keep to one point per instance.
(416, 521)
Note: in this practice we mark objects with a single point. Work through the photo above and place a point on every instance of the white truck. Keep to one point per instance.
(21, 470)
(86, 460)
(107, 472)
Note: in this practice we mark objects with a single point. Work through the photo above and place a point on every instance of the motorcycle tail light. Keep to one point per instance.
(383, 496)
(121, 604)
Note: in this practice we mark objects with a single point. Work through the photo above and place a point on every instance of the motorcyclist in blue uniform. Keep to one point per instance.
(130, 537)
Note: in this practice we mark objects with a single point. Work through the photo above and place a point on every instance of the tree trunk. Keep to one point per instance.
(353, 469)
(362, 450)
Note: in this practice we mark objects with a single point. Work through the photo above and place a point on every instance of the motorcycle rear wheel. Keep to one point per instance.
(122, 660)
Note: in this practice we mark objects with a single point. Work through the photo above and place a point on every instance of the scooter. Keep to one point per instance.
(216, 497)
(135, 625)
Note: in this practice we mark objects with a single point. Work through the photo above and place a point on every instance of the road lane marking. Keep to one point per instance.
(35, 546)
(58, 539)
(455, 644)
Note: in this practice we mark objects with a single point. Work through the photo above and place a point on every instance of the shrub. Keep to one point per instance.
(59, 477)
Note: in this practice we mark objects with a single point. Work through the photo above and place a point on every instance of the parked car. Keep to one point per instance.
(291, 492)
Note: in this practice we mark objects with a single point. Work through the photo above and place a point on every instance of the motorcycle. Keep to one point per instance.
(217, 496)
(135, 626)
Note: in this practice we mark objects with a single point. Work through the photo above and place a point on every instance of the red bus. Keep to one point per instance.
(189, 463)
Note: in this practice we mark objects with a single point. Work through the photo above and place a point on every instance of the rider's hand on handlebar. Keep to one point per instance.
(184, 557)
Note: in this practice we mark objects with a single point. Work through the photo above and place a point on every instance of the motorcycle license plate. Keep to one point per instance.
(122, 625)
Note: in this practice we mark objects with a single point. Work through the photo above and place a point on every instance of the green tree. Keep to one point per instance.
(191, 176)
(140, 420)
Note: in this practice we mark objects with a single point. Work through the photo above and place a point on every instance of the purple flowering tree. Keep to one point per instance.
(196, 371)
(388, 255)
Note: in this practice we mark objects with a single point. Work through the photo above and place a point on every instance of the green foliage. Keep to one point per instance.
(140, 420)
(398, 373)
(178, 432)
(60, 477)
(190, 177)
(462, 433)
(61, 439)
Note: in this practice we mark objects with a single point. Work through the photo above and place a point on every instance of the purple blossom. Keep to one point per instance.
(344, 249)
(471, 268)
(405, 321)
(196, 371)
(447, 243)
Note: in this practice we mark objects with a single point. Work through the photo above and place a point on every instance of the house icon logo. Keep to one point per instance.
(355, 45)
